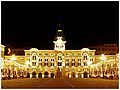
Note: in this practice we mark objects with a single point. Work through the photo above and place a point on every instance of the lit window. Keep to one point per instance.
(40, 64)
(79, 64)
(73, 64)
(46, 64)
(34, 57)
(40, 54)
(52, 64)
(85, 57)
(40, 59)
(67, 64)
(59, 63)
(46, 54)
(28, 53)
(33, 63)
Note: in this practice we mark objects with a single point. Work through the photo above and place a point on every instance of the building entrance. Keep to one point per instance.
(46, 75)
(34, 75)
(40, 75)
(52, 75)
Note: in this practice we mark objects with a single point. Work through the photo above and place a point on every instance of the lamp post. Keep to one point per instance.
(13, 58)
(103, 58)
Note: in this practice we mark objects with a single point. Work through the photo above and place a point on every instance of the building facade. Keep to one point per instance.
(60, 63)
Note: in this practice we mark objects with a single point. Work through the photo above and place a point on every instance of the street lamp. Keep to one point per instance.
(103, 58)
(13, 58)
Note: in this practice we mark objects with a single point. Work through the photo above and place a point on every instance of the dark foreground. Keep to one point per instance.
(60, 83)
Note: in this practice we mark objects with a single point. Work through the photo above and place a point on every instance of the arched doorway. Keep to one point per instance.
(46, 75)
(34, 75)
(52, 75)
(85, 74)
(40, 75)
(73, 74)
(28, 75)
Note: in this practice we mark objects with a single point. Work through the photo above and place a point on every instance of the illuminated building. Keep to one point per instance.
(60, 63)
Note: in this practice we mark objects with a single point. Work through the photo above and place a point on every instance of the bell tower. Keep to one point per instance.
(59, 44)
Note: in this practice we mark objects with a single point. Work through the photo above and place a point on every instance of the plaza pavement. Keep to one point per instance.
(60, 83)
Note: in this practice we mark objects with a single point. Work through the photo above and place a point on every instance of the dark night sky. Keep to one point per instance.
(34, 24)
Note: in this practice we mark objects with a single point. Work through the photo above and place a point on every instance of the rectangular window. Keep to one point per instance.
(73, 64)
(28, 53)
(67, 64)
(40, 64)
(59, 63)
(67, 60)
(40, 59)
(52, 59)
(52, 64)
(79, 64)
(33, 63)
(46, 64)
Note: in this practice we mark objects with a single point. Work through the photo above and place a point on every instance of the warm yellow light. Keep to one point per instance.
(103, 57)
(13, 57)
(27, 63)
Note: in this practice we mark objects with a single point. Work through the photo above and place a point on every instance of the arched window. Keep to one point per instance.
(85, 57)
(34, 57)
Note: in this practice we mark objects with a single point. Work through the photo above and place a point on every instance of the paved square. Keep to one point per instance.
(60, 83)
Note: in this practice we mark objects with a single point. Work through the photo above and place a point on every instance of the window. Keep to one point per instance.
(73, 60)
(34, 57)
(40, 59)
(46, 64)
(85, 64)
(46, 59)
(79, 60)
(67, 64)
(52, 59)
(46, 54)
(40, 64)
(79, 54)
(79, 64)
(40, 54)
(67, 60)
(59, 63)
(52, 64)
(33, 63)
(85, 57)
(28, 53)
(73, 64)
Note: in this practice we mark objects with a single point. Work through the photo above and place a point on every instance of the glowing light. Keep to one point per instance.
(13, 57)
(103, 57)
(59, 30)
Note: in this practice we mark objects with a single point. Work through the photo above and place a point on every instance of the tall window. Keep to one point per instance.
(34, 57)
(33, 63)
(52, 64)
(85, 57)
(59, 63)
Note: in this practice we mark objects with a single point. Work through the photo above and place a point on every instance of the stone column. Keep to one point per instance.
(42, 75)
(69, 75)
(82, 76)
(76, 75)
(30, 75)
(49, 75)
(36, 75)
